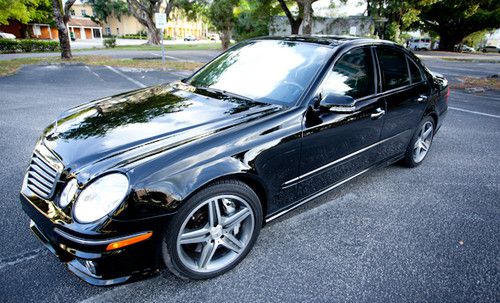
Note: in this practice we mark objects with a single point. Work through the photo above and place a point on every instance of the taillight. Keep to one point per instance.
(447, 95)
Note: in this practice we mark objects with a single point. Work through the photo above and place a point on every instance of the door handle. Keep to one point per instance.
(379, 112)
(421, 98)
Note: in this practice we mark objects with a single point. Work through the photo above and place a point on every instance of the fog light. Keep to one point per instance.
(91, 266)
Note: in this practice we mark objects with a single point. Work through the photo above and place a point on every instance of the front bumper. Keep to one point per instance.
(85, 254)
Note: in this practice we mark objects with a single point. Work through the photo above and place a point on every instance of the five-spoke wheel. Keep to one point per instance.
(420, 143)
(213, 231)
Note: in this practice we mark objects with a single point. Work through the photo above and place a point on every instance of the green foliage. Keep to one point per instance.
(105, 8)
(253, 18)
(135, 36)
(27, 46)
(109, 42)
(193, 10)
(453, 20)
(221, 15)
(475, 39)
(25, 11)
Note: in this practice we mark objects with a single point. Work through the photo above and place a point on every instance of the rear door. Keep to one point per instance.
(405, 92)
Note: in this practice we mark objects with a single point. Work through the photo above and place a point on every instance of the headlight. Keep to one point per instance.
(100, 198)
(68, 193)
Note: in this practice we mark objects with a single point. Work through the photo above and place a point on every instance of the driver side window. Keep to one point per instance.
(352, 75)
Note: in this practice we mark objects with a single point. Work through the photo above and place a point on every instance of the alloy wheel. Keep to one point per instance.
(423, 142)
(215, 233)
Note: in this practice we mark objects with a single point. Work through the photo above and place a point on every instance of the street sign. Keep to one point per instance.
(352, 31)
(160, 20)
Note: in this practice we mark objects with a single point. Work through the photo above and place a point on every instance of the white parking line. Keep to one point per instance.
(126, 77)
(473, 112)
(94, 73)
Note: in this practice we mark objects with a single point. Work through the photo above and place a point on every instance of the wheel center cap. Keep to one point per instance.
(216, 232)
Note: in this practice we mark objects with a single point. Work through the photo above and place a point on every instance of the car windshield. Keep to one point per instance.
(270, 71)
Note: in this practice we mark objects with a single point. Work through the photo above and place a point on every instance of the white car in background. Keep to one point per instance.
(417, 44)
(6, 35)
(490, 49)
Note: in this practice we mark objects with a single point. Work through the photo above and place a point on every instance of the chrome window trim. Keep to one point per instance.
(346, 157)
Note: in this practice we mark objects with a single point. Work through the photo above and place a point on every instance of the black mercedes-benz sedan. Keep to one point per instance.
(184, 175)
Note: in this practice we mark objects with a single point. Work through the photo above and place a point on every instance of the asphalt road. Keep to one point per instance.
(429, 234)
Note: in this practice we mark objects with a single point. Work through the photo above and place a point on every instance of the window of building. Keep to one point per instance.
(107, 30)
(394, 68)
(72, 12)
(84, 12)
(117, 31)
(96, 32)
(37, 30)
(352, 75)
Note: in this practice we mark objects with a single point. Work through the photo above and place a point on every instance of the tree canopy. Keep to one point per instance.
(105, 8)
(25, 11)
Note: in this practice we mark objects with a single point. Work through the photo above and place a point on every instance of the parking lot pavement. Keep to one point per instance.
(393, 235)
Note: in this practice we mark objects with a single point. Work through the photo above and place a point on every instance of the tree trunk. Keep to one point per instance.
(62, 30)
(448, 40)
(308, 18)
(295, 25)
(294, 22)
(225, 39)
(153, 33)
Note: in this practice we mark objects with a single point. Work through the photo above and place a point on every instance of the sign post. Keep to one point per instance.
(161, 23)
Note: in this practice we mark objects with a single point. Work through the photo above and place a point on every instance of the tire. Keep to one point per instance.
(412, 157)
(197, 246)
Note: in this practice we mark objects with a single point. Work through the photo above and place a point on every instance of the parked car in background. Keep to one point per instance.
(213, 37)
(189, 38)
(4, 35)
(417, 44)
(184, 175)
(490, 49)
(463, 48)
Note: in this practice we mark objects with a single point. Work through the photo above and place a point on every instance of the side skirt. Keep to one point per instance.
(324, 191)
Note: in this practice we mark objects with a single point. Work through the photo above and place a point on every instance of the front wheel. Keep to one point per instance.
(213, 231)
(420, 143)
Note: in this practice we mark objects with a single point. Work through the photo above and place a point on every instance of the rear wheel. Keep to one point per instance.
(420, 143)
(213, 231)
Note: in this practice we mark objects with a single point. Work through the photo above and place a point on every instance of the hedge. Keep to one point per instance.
(27, 46)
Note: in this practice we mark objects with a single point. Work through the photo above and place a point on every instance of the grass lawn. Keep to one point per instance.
(470, 82)
(8, 67)
(184, 46)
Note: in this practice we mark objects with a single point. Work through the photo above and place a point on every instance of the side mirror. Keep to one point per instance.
(338, 103)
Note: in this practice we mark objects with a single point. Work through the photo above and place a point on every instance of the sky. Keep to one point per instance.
(352, 7)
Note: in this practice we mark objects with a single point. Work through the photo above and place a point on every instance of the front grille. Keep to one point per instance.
(42, 176)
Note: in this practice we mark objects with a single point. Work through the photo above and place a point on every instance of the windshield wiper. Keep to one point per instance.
(224, 93)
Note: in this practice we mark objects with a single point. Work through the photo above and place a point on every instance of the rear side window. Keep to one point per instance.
(352, 75)
(415, 74)
(394, 68)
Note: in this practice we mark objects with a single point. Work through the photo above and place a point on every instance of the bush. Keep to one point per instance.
(109, 42)
(27, 46)
(134, 37)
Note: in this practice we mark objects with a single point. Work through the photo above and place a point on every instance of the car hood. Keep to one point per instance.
(136, 124)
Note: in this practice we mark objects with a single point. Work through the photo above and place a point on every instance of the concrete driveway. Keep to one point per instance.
(394, 235)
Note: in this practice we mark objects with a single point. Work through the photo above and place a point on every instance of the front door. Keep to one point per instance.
(336, 146)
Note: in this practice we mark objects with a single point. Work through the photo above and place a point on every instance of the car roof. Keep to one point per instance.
(328, 40)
